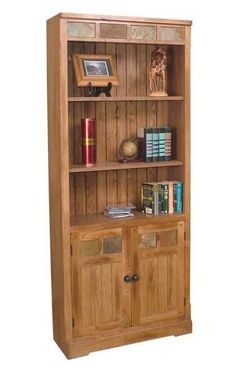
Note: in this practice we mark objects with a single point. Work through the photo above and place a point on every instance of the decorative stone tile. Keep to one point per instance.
(112, 245)
(143, 32)
(168, 238)
(172, 33)
(148, 240)
(113, 31)
(81, 29)
(90, 248)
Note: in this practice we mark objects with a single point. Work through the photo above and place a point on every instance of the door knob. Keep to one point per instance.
(128, 278)
(135, 277)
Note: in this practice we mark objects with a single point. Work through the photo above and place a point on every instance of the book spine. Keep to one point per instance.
(147, 199)
(161, 147)
(165, 198)
(155, 144)
(141, 142)
(88, 141)
(178, 197)
(168, 144)
(148, 144)
(171, 198)
(156, 200)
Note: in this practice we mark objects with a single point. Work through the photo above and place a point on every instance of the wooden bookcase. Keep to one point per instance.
(93, 307)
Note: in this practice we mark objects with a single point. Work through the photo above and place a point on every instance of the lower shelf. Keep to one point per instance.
(80, 221)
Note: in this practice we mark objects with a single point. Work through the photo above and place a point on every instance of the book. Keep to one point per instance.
(150, 198)
(168, 144)
(162, 137)
(140, 134)
(178, 197)
(155, 144)
(148, 144)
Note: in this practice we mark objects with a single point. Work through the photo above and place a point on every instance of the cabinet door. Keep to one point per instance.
(101, 301)
(159, 262)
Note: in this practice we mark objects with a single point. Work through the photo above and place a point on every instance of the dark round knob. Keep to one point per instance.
(135, 277)
(128, 278)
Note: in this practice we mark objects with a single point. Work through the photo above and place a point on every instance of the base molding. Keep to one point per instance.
(84, 345)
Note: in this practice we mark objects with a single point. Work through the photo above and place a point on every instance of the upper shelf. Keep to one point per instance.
(109, 166)
(126, 98)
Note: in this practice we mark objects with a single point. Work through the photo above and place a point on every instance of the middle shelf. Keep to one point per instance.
(126, 98)
(108, 166)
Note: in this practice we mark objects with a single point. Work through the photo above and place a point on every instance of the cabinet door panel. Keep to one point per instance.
(98, 289)
(159, 262)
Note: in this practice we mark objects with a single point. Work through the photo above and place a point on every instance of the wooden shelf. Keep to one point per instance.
(123, 166)
(80, 221)
(126, 98)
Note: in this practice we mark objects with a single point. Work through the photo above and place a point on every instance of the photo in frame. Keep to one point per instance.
(99, 70)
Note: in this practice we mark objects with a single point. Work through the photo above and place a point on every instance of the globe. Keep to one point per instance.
(129, 149)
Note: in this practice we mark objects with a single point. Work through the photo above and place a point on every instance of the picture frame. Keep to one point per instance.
(99, 70)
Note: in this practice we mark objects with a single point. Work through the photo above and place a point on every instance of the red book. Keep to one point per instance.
(88, 141)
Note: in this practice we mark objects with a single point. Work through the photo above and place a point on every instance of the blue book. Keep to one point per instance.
(178, 197)
(162, 141)
(155, 144)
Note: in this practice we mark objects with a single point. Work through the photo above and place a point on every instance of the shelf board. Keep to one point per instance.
(79, 222)
(126, 98)
(122, 166)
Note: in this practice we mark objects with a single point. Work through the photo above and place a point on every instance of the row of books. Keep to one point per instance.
(155, 143)
(164, 197)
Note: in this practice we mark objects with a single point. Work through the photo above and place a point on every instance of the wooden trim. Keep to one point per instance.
(80, 223)
(126, 41)
(187, 170)
(58, 179)
(85, 345)
(125, 19)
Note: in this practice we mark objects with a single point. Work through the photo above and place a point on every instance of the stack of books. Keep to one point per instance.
(164, 197)
(155, 143)
(119, 211)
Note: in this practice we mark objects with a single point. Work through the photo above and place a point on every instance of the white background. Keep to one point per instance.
(25, 304)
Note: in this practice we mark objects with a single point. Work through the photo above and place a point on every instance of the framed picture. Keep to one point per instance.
(97, 69)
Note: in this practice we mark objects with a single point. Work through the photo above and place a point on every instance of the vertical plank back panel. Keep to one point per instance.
(121, 129)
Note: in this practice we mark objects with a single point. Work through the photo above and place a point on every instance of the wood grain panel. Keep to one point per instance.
(172, 282)
(106, 293)
(116, 285)
(159, 294)
(97, 286)
(121, 126)
(101, 144)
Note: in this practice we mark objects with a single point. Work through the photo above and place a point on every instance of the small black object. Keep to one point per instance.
(128, 278)
(135, 277)
(96, 91)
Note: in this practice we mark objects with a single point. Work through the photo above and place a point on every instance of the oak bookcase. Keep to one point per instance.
(93, 307)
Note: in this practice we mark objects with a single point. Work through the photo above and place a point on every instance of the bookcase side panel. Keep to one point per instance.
(58, 180)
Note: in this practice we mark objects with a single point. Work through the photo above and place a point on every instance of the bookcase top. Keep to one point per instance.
(124, 19)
